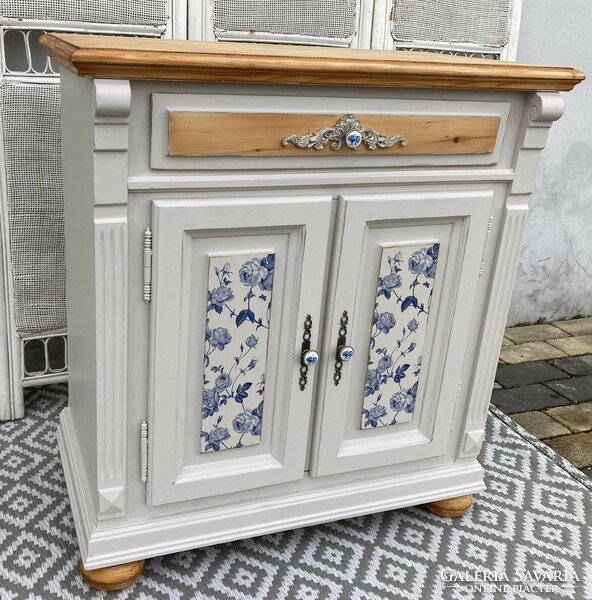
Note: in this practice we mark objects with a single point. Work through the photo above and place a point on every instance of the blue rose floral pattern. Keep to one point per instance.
(237, 326)
(403, 298)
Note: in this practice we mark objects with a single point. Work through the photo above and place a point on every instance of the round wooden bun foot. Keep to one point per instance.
(113, 578)
(452, 507)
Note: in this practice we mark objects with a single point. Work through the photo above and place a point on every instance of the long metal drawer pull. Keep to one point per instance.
(347, 130)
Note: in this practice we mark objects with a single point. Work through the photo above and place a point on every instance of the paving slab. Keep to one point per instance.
(576, 448)
(576, 389)
(526, 398)
(526, 373)
(540, 425)
(575, 365)
(519, 353)
(575, 326)
(534, 333)
(507, 342)
(574, 346)
(576, 417)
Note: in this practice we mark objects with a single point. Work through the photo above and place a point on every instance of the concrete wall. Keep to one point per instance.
(555, 275)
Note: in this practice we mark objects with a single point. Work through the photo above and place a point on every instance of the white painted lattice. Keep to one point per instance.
(30, 178)
(113, 12)
(314, 22)
(481, 22)
(475, 28)
(315, 18)
(32, 184)
(45, 358)
(22, 55)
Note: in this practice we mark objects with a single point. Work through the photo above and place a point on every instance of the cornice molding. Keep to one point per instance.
(141, 58)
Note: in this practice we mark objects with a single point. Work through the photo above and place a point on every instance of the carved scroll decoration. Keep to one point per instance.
(347, 130)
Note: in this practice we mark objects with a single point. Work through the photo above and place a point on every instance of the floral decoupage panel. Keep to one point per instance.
(236, 338)
(403, 298)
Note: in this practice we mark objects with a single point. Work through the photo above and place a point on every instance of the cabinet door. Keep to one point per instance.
(234, 282)
(405, 275)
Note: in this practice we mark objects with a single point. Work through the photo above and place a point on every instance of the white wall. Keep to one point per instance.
(555, 275)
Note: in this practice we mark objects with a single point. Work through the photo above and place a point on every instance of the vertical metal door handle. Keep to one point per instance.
(308, 357)
(344, 352)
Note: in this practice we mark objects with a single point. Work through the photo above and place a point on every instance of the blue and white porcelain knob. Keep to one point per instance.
(310, 358)
(353, 139)
(345, 353)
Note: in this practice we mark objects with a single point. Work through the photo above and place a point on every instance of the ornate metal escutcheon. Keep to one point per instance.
(308, 357)
(349, 131)
(344, 352)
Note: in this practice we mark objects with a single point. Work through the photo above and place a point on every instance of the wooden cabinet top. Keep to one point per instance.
(141, 58)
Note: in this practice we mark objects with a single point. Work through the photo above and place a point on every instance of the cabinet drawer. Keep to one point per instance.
(212, 132)
(284, 134)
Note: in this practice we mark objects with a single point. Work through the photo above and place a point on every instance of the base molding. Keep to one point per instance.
(106, 545)
(81, 499)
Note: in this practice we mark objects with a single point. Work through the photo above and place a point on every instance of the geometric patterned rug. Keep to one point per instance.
(534, 519)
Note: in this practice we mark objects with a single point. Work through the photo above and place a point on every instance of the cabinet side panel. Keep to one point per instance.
(78, 122)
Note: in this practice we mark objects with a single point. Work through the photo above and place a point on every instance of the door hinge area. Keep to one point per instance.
(147, 265)
(487, 234)
(143, 451)
(458, 389)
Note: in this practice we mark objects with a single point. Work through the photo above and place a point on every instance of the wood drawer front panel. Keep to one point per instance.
(193, 133)
(232, 132)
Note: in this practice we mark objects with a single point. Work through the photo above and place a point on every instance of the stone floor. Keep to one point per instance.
(544, 382)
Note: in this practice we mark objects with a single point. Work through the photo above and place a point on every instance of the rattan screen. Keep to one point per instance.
(125, 12)
(31, 139)
(316, 18)
(483, 22)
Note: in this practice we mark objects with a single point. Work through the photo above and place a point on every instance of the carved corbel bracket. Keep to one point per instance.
(546, 107)
(112, 98)
(542, 109)
(111, 140)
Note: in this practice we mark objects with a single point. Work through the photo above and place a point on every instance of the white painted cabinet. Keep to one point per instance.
(231, 207)
(235, 284)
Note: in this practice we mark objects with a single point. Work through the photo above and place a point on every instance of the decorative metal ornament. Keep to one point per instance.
(349, 131)
(308, 357)
(341, 345)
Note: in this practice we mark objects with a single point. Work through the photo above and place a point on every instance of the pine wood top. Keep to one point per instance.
(144, 58)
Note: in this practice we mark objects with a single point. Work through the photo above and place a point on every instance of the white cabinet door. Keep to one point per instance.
(405, 273)
(234, 281)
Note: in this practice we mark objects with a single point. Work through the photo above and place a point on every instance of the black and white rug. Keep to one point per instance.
(533, 522)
